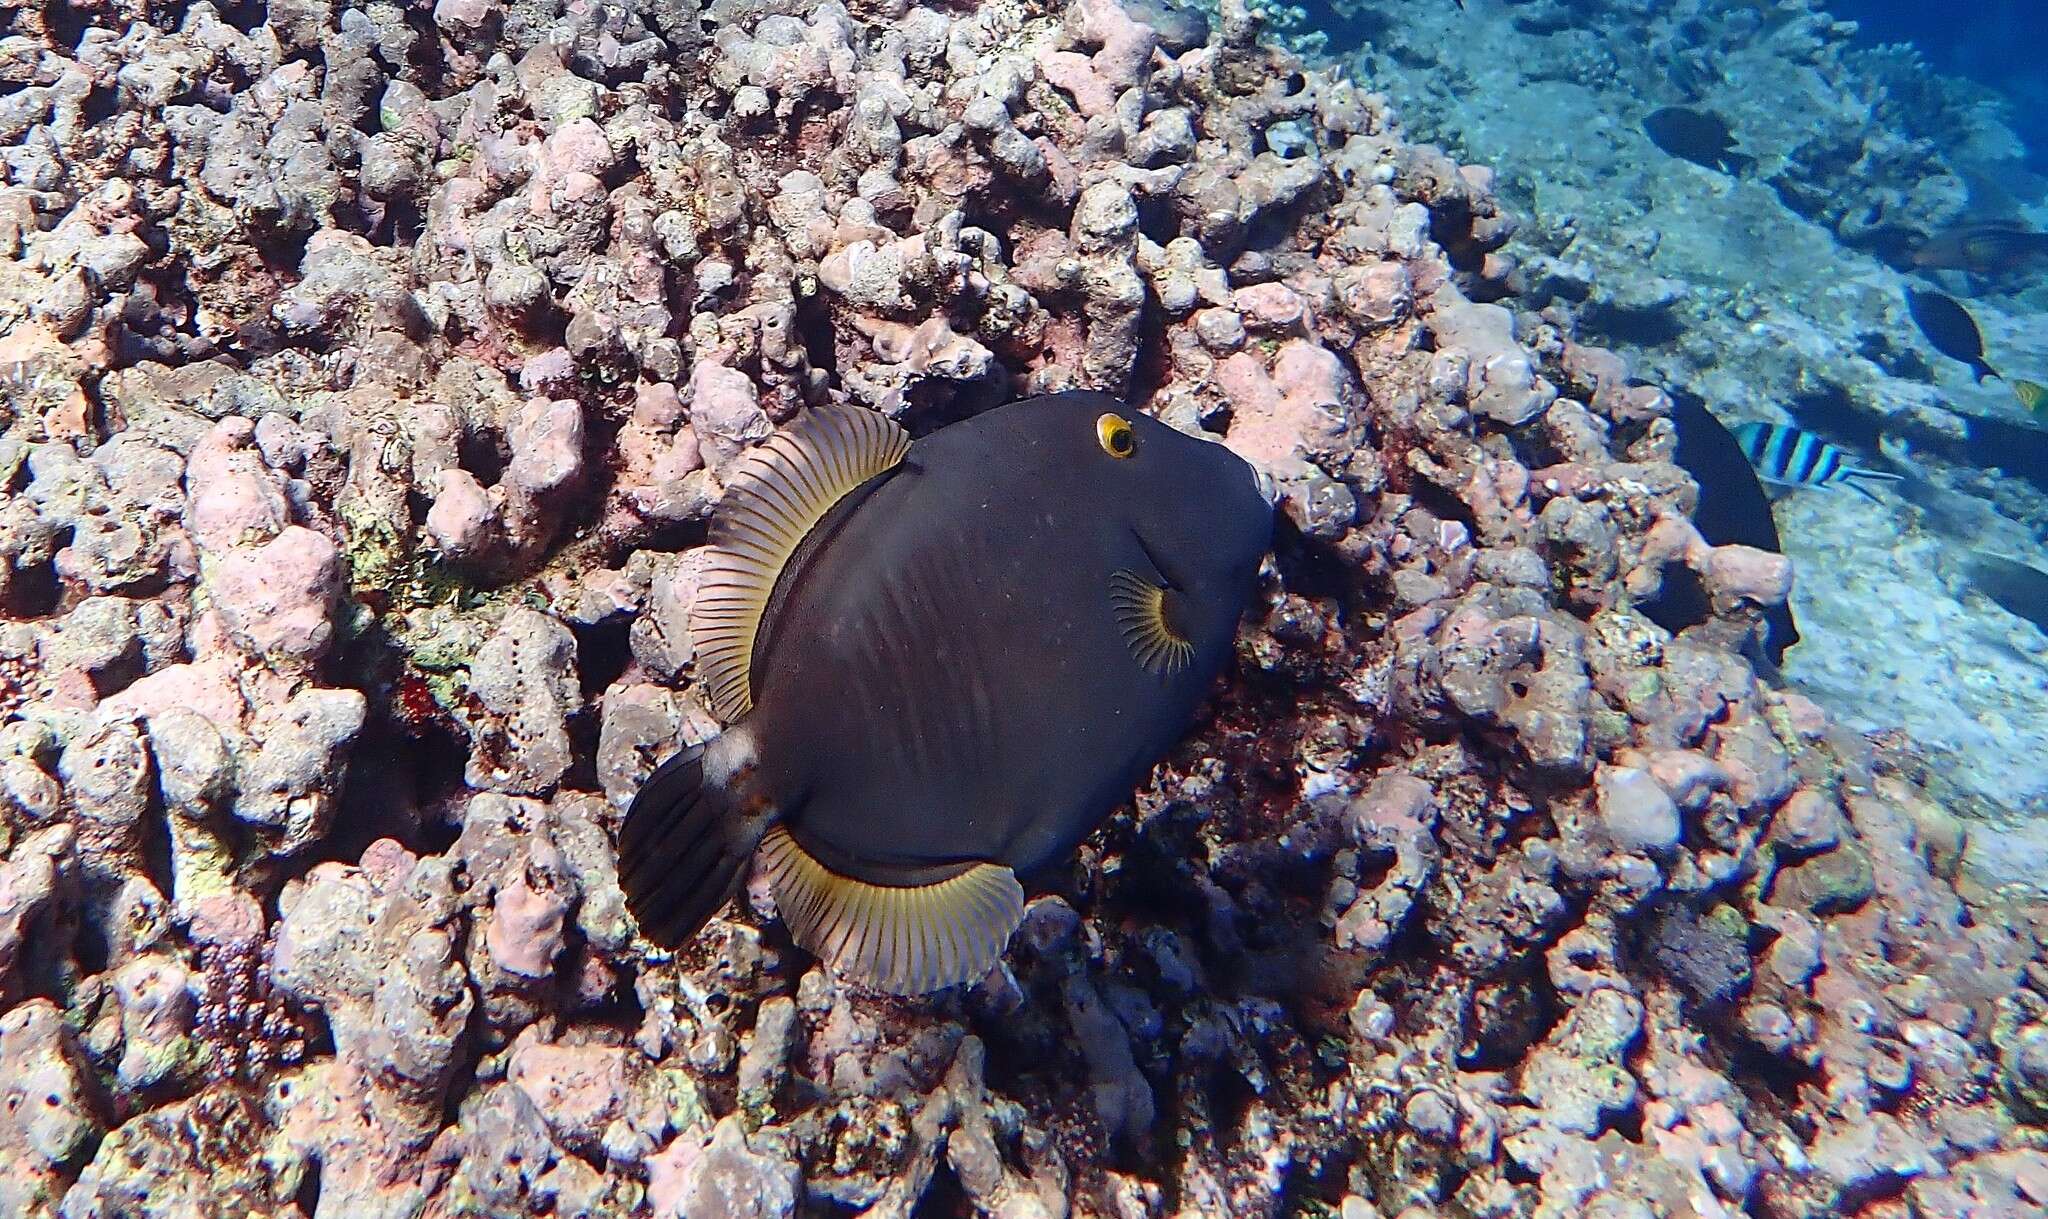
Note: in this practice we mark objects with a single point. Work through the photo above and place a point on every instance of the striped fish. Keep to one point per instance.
(1794, 457)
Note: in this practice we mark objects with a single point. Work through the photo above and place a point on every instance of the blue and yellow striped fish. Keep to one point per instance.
(1794, 457)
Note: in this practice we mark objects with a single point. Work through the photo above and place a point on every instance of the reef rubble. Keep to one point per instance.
(372, 376)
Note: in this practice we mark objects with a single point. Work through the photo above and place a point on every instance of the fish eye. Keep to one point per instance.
(1114, 433)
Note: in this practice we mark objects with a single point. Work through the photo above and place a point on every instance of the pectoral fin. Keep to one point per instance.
(1145, 613)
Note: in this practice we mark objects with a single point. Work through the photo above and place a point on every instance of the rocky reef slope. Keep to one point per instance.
(373, 373)
(1779, 295)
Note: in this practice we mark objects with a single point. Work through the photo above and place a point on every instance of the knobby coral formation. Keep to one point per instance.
(376, 374)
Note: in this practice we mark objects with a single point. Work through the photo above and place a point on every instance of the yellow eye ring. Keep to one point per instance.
(1114, 433)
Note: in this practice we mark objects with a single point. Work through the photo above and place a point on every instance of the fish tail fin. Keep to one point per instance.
(686, 841)
(1983, 370)
(1856, 480)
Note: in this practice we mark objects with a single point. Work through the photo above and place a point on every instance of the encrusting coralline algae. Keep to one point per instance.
(375, 379)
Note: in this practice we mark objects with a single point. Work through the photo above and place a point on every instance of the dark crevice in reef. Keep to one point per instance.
(1681, 602)
(485, 453)
(34, 591)
(283, 254)
(603, 650)
(1231, 1096)
(425, 66)
(100, 105)
(1628, 1123)
(619, 1007)
(584, 725)
(156, 847)
(1157, 219)
(1154, 364)
(1313, 570)
(403, 224)
(409, 762)
(393, 779)
(1443, 504)
(68, 22)
(1884, 1187)
(943, 1198)
(1510, 1017)
(814, 330)
(604, 416)
(1375, 864)
(1774, 1082)
(308, 1197)
(1893, 356)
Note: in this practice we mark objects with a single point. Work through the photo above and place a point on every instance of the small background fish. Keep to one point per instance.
(1949, 329)
(1794, 457)
(1989, 248)
(1699, 136)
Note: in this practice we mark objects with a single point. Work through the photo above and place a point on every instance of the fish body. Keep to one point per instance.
(1950, 329)
(1988, 248)
(968, 659)
(1733, 510)
(1794, 457)
(2019, 589)
(1699, 136)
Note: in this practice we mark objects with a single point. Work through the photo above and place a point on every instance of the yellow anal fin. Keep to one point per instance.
(1143, 614)
(906, 940)
(778, 493)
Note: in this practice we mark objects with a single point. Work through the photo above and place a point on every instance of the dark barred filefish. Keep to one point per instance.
(942, 664)
(1950, 329)
(1795, 457)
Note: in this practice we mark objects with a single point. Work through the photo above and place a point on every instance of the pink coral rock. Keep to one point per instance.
(278, 598)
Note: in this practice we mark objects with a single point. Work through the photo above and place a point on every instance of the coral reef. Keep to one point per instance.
(376, 373)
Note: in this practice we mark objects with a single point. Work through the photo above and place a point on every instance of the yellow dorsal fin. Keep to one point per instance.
(907, 940)
(779, 491)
